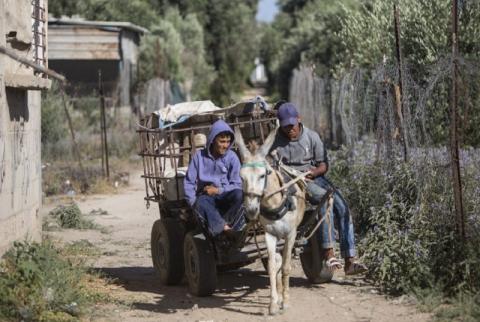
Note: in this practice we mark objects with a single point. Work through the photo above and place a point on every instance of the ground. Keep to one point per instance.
(242, 294)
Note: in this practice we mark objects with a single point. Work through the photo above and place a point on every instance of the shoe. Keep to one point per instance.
(355, 268)
(333, 264)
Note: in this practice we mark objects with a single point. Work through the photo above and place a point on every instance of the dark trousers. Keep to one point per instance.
(218, 210)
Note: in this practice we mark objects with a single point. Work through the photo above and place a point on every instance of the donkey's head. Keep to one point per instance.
(254, 172)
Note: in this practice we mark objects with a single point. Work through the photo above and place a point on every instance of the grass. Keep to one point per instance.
(39, 282)
(465, 308)
(65, 178)
(61, 173)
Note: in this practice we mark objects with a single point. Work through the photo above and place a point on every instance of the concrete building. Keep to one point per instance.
(79, 49)
(23, 32)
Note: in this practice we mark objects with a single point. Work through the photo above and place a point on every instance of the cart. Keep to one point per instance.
(181, 246)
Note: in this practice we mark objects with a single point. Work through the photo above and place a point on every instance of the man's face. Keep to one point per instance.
(292, 131)
(221, 144)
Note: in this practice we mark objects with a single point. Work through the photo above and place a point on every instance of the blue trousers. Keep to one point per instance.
(218, 210)
(340, 216)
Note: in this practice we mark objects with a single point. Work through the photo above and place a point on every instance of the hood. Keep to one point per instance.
(217, 128)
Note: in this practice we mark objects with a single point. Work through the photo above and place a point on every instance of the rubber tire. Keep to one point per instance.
(313, 265)
(200, 265)
(167, 250)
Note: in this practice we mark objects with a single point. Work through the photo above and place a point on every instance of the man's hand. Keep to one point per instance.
(310, 175)
(211, 190)
(318, 171)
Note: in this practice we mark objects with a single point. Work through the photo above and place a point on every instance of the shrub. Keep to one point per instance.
(405, 219)
(70, 216)
(37, 283)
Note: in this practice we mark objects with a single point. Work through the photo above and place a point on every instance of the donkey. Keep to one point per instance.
(280, 214)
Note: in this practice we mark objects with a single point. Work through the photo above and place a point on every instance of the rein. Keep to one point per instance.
(287, 201)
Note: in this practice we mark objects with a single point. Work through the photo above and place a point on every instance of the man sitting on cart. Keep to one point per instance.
(213, 187)
(302, 149)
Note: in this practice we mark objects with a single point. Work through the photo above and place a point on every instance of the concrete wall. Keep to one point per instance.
(20, 163)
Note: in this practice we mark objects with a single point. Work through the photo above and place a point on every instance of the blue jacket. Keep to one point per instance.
(204, 169)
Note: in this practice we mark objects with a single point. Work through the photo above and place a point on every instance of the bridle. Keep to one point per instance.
(287, 202)
(258, 164)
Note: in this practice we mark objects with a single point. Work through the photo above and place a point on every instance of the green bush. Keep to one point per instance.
(404, 216)
(70, 216)
(38, 284)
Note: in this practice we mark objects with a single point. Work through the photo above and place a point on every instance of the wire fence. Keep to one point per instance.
(399, 159)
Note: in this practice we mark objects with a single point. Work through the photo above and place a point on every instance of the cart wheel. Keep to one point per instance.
(167, 250)
(313, 265)
(200, 266)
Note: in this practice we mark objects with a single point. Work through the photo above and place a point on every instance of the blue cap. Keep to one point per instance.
(287, 114)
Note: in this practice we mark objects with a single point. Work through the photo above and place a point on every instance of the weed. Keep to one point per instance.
(70, 216)
(404, 217)
(465, 307)
(80, 249)
(102, 186)
(38, 283)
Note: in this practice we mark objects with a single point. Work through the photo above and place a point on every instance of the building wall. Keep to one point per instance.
(79, 51)
(20, 162)
(128, 65)
(82, 43)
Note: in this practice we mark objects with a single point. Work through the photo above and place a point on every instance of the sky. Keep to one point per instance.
(266, 10)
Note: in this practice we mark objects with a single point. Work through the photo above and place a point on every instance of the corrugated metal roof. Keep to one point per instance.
(74, 43)
(98, 24)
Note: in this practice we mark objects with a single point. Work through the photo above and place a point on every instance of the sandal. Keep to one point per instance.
(333, 264)
(355, 268)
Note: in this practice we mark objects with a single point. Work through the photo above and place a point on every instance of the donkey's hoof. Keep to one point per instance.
(284, 306)
(273, 309)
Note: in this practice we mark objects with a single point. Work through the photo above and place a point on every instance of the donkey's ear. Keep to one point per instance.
(267, 145)
(242, 148)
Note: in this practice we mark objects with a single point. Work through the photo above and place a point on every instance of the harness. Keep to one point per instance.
(287, 203)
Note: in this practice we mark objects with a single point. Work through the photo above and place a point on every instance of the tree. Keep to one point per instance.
(231, 44)
(305, 32)
(140, 12)
(175, 50)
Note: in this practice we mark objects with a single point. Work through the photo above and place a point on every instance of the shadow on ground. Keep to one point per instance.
(235, 290)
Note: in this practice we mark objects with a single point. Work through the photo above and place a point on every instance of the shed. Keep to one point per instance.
(79, 49)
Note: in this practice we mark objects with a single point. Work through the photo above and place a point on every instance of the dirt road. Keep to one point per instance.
(242, 295)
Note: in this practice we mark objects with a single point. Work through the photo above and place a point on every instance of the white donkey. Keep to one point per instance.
(280, 214)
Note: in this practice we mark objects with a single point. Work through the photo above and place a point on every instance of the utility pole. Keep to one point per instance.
(103, 126)
(455, 162)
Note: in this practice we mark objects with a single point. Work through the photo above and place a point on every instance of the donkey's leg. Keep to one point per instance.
(287, 267)
(271, 242)
(278, 263)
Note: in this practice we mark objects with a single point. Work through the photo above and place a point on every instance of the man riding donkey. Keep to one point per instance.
(213, 187)
(302, 149)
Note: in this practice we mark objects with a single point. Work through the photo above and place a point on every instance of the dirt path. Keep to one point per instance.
(242, 295)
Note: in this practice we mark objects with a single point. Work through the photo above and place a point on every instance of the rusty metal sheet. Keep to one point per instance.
(81, 43)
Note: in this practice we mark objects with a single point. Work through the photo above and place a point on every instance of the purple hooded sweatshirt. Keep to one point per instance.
(204, 169)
